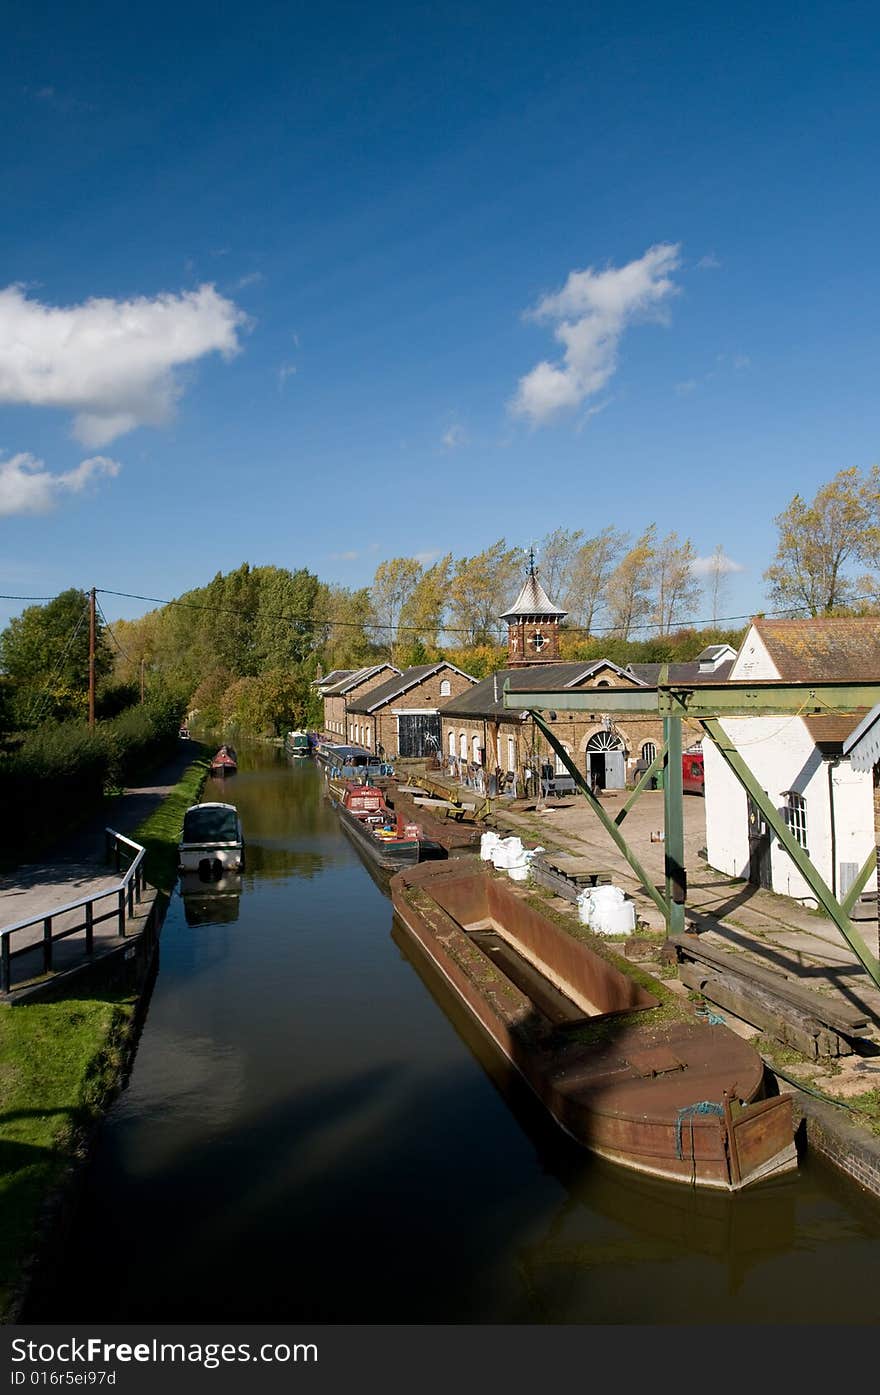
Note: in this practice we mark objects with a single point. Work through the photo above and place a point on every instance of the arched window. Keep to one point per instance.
(462, 745)
(368, 738)
(475, 748)
(451, 742)
(649, 752)
(795, 812)
(445, 688)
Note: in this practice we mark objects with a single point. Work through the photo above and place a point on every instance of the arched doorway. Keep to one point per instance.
(605, 761)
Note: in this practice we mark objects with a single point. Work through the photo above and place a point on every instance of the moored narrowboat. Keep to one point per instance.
(212, 841)
(390, 840)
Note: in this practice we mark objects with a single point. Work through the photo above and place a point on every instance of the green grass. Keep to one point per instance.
(60, 1062)
(160, 831)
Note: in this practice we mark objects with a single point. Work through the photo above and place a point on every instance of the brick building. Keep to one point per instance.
(402, 714)
(479, 731)
(352, 685)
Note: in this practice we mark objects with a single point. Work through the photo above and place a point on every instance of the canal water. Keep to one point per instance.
(312, 1132)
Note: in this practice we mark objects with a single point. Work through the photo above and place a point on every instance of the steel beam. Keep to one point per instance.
(657, 764)
(858, 886)
(764, 699)
(815, 882)
(673, 826)
(607, 823)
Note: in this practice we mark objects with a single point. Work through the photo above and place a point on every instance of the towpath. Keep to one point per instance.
(76, 866)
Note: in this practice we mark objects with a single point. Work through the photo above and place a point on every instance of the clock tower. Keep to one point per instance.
(533, 624)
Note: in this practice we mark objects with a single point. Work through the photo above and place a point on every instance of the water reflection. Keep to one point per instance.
(308, 1136)
(210, 902)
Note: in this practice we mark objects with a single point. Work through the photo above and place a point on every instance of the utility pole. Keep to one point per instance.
(142, 679)
(92, 657)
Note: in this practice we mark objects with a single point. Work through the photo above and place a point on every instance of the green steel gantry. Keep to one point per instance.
(707, 704)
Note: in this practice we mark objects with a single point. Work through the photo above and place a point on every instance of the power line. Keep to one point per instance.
(109, 631)
(39, 704)
(318, 622)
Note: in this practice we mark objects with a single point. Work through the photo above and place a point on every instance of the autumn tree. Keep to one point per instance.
(556, 556)
(393, 586)
(591, 569)
(342, 630)
(423, 613)
(676, 588)
(630, 589)
(821, 541)
(480, 589)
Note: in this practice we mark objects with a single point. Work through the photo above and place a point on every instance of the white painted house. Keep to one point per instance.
(798, 761)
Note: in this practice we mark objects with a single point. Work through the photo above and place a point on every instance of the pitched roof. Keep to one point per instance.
(394, 687)
(533, 600)
(335, 675)
(846, 648)
(356, 676)
(831, 733)
(486, 699)
(690, 672)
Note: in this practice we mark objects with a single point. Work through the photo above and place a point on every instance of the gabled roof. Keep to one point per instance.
(395, 687)
(486, 699)
(533, 600)
(355, 677)
(335, 675)
(690, 672)
(831, 733)
(846, 648)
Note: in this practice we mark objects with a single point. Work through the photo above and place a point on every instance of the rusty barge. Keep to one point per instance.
(634, 1080)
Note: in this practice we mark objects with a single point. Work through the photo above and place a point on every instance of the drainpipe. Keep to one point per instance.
(832, 766)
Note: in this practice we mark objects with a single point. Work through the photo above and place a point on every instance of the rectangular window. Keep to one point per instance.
(795, 812)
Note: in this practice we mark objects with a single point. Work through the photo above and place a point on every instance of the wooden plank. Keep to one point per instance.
(783, 1020)
(844, 1017)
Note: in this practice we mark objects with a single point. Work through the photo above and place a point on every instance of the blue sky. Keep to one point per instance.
(330, 246)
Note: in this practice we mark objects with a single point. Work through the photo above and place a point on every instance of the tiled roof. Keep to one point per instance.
(831, 732)
(682, 673)
(354, 677)
(486, 699)
(335, 675)
(844, 648)
(393, 687)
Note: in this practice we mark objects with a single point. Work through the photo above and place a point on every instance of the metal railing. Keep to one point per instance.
(126, 895)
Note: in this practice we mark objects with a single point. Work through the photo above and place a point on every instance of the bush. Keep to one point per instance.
(57, 774)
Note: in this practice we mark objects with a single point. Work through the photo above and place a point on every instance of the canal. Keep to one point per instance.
(310, 1134)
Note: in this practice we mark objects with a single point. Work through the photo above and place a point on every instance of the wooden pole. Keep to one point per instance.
(142, 680)
(92, 657)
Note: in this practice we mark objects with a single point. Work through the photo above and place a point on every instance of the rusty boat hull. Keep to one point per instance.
(633, 1080)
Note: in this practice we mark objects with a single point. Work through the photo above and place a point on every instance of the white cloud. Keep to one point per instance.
(285, 371)
(425, 558)
(26, 486)
(110, 362)
(708, 263)
(454, 436)
(705, 566)
(592, 311)
(251, 278)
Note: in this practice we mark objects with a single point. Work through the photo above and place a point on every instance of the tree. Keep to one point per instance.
(718, 570)
(677, 589)
(45, 653)
(422, 615)
(480, 590)
(818, 541)
(343, 640)
(630, 587)
(591, 570)
(556, 555)
(393, 586)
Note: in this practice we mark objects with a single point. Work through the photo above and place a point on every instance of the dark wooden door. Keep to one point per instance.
(413, 732)
(759, 846)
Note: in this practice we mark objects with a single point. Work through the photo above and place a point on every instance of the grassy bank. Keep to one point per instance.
(60, 1063)
(160, 831)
